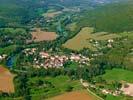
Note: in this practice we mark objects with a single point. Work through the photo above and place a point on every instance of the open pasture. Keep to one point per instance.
(118, 75)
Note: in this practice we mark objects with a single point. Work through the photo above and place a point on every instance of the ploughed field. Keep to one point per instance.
(39, 35)
(6, 80)
(76, 95)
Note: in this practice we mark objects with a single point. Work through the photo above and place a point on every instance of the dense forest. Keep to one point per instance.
(110, 18)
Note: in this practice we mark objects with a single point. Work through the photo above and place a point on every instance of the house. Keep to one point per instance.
(110, 40)
(44, 55)
(109, 45)
(3, 56)
(75, 58)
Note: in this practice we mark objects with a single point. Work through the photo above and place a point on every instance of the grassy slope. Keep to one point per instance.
(118, 75)
(14, 12)
(10, 11)
(81, 40)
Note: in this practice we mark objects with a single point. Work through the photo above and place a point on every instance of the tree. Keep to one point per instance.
(22, 88)
(69, 88)
(39, 82)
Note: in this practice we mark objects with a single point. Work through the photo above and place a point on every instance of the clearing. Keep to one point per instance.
(81, 40)
(40, 35)
(127, 89)
(52, 14)
(6, 80)
(76, 95)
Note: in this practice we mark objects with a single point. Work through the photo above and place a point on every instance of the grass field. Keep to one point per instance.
(57, 85)
(118, 75)
(76, 95)
(111, 97)
(6, 80)
(81, 40)
(39, 35)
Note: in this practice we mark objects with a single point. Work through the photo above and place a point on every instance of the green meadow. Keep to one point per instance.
(118, 75)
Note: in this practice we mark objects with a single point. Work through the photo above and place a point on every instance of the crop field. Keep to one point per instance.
(6, 80)
(39, 35)
(118, 75)
(81, 40)
(76, 95)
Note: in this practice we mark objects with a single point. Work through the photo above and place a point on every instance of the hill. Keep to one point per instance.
(15, 13)
(114, 17)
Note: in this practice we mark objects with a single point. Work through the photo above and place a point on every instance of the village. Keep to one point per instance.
(47, 60)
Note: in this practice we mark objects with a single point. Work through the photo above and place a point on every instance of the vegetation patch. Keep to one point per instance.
(71, 65)
(51, 86)
(7, 50)
(12, 36)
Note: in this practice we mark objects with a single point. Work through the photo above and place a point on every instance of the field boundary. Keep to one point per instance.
(81, 81)
(94, 94)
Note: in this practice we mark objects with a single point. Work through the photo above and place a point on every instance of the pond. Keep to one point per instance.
(10, 61)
